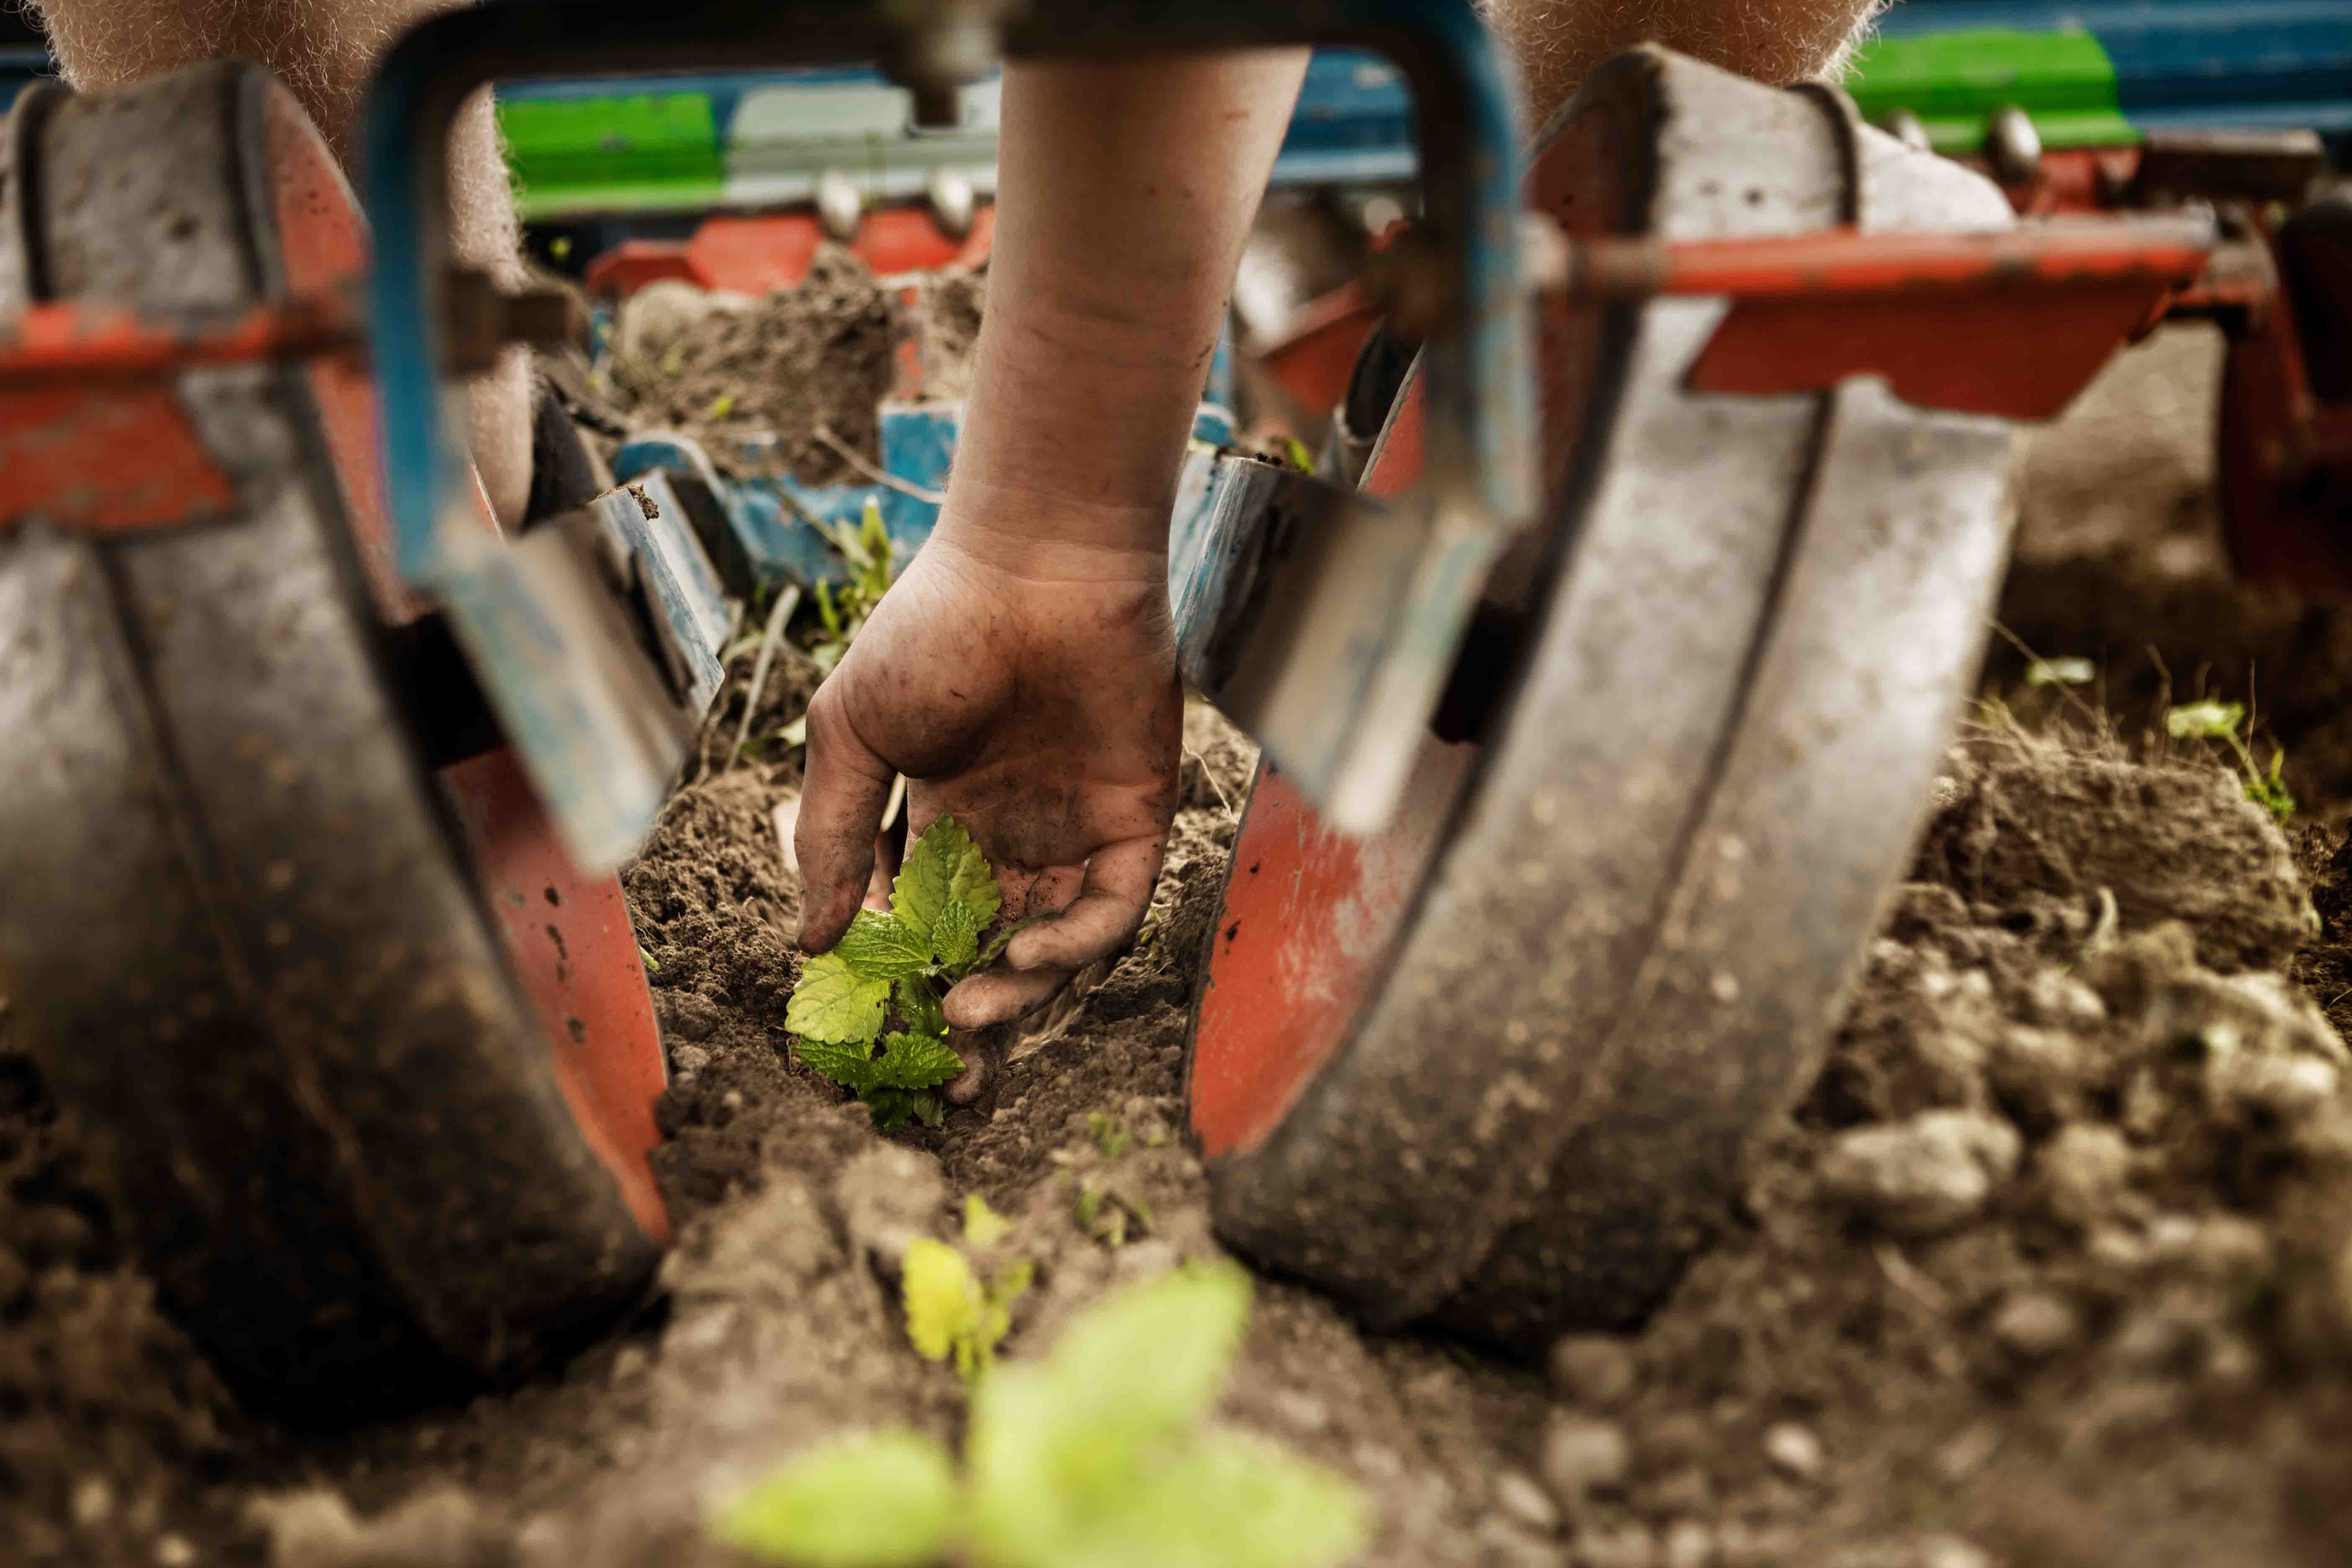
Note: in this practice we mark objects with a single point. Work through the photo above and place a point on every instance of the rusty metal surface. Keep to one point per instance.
(241, 928)
(1875, 627)
(1578, 1022)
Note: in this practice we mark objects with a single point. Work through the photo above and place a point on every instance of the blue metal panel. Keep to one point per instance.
(783, 525)
(2182, 63)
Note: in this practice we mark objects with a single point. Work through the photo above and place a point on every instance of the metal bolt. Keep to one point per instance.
(2013, 146)
(1908, 129)
(480, 320)
(839, 207)
(952, 202)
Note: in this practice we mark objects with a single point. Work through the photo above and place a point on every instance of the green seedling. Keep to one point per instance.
(984, 1227)
(2061, 672)
(1102, 1453)
(844, 609)
(1109, 1136)
(1105, 1212)
(951, 1313)
(2225, 722)
(868, 1013)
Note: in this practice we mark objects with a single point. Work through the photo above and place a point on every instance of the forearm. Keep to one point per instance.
(1125, 193)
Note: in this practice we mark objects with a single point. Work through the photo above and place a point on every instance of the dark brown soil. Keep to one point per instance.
(2052, 1268)
(765, 381)
(2120, 560)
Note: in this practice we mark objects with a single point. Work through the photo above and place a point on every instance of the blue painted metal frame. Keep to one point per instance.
(1479, 436)
(1480, 425)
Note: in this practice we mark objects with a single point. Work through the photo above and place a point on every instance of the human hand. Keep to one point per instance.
(1030, 692)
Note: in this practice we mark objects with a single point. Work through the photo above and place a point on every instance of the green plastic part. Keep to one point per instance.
(1955, 83)
(643, 151)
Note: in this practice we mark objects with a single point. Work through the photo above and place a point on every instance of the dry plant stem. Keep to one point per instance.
(323, 50)
(887, 481)
(788, 599)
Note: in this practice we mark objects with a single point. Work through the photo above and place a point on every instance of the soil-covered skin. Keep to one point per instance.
(2052, 1268)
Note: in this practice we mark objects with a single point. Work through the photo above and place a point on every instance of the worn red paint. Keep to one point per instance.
(106, 459)
(566, 934)
(752, 255)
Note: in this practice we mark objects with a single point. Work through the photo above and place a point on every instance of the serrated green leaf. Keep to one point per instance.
(881, 1500)
(955, 939)
(833, 1002)
(941, 1296)
(944, 866)
(849, 1063)
(915, 1061)
(882, 946)
(918, 1005)
(894, 1107)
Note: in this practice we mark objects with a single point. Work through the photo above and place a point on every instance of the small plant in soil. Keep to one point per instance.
(2225, 722)
(868, 1014)
(953, 1310)
(1102, 1453)
(844, 610)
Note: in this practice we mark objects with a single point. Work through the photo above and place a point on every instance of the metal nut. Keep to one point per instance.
(2013, 146)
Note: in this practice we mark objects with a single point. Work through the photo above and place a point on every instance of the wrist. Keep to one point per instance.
(1043, 533)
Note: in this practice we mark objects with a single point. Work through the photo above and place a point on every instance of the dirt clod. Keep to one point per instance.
(1919, 1177)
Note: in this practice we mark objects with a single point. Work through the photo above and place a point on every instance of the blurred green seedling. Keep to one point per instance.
(1101, 1453)
(2226, 723)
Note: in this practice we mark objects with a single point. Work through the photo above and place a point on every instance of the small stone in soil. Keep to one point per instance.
(1617, 1546)
(1592, 1370)
(2034, 1325)
(93, 1500)
(1794, 1450)
(1921, 1177)
(1517, 1494)
(686, 1015)
(1300, 1411)
(1686, 1490)
(1688, 1544)
(1951, 1551)
(1582, 1456)
(2086, 1171)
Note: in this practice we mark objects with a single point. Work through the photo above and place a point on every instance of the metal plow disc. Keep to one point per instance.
(371, 1065)
(1496, 1068)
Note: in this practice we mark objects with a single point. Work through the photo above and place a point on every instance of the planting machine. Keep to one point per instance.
(1598, 708)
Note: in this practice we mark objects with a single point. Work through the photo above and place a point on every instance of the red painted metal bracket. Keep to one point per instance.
(2010, 322)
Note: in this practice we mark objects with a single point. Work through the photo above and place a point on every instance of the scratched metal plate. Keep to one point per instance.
(1525, 1036)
